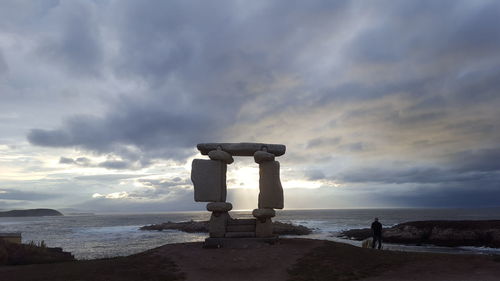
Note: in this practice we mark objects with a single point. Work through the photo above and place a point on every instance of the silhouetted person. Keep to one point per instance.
(377, 233)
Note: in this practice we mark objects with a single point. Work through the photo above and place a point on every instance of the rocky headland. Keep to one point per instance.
(440, 233)
(31, 213)
(280, 228)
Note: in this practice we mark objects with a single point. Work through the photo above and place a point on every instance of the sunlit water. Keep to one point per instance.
(97, 236)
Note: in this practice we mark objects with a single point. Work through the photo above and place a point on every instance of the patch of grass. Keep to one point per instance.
(144, 267)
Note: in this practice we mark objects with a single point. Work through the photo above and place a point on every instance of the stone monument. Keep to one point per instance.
(209, 180)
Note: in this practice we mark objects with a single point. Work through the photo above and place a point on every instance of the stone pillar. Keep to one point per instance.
(263, 224)
(219, 218)
(270, 193)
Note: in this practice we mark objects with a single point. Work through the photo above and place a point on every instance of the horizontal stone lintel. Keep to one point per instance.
(242, 148)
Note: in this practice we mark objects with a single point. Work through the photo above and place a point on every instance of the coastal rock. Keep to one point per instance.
(441, 233)
(209, 180)
(221, 156)
(185, 226)
(283, 228)
(279, 228)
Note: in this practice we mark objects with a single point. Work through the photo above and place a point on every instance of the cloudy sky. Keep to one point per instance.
(380, 103)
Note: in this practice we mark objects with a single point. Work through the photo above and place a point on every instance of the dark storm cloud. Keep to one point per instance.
(409, 175)
(472, 178)
(201, 48)
(149, 128)
(481, 193)
(482, 160)
(470, 166)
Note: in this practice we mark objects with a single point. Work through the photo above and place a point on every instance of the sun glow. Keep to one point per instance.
(245, 177)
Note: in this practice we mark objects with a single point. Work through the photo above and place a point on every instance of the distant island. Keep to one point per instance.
(31, 213)
(441, 233)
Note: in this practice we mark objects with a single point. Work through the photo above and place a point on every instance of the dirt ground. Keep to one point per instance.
(266, 263)
(290, 259)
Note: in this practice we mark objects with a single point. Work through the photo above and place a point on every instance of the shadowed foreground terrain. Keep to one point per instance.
(290, 259)
(17, 254)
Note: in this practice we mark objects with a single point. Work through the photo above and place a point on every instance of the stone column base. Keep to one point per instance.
(219, 218)
(264, 224)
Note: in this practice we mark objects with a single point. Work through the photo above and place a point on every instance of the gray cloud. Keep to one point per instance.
(479, 160)
(352, 88)
(3, 64)
(13, 194)
(107, 177)
(66, 160)
(108, 164)
(323, 142)
(76, 40)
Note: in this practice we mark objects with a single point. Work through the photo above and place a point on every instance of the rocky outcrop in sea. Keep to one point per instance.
(441, 233)
(280, 228)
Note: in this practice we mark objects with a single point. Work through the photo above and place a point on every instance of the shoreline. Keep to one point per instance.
(448, 233)
(102, 236)
(355, 236)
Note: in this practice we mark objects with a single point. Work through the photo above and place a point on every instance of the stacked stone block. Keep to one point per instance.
(270, 192)
(209, 179)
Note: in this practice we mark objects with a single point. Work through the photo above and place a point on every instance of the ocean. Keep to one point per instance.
(111, 235)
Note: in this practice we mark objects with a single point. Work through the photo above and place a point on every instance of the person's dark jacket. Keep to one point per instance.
(377, 228)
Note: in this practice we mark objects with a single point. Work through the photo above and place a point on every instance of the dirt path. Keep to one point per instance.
(269, 263)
